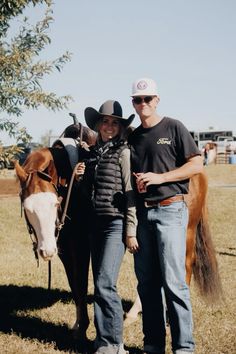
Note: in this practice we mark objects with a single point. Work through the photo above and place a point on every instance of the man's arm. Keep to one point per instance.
(193, 166)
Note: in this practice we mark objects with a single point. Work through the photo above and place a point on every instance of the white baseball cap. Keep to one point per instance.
(144, 87)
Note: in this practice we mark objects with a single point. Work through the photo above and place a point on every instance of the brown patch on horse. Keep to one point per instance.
(39, 161)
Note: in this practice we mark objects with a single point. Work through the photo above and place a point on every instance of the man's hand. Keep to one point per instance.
(150, 178)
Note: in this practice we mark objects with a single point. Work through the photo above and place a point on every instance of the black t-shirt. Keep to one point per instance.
(162, 148)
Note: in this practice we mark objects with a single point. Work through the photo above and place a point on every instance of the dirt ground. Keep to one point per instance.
(9, 186)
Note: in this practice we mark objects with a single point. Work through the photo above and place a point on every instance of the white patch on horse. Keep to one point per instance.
(212, 156)
(41, 210)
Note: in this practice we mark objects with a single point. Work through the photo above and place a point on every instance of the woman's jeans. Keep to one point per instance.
(160, 263)
(107, 253)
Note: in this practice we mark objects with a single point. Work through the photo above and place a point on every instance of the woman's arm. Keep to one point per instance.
(130, 212)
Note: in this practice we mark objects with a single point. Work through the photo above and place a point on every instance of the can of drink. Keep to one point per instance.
(141, 186)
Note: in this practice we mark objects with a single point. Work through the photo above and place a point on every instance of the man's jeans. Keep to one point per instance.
(107, 253)
(160, 262)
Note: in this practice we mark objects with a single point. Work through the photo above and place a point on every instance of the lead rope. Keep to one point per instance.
(62, 220)
(61, 223)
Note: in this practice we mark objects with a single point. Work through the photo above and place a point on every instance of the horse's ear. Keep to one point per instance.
(20, 172)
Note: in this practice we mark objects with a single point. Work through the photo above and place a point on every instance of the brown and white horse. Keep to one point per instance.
(39, 178)
(44, 179)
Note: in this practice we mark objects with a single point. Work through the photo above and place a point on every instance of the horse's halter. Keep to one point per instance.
(59, 220)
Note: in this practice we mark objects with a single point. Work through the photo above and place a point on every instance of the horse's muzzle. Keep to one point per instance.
(47, 255)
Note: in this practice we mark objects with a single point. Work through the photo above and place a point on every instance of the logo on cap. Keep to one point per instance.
(142, 85)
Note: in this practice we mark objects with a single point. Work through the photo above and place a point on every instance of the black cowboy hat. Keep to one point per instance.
(109, 108)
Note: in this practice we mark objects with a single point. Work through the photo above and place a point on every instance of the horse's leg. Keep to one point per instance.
(74, 253)
(132, 315)
(195, 201)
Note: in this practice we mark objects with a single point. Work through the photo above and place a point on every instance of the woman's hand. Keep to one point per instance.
(132, 244)
(80, 170)
(84, 145)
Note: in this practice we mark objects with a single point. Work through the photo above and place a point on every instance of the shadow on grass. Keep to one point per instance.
(126, 304)
(14, 298)
(22, 298)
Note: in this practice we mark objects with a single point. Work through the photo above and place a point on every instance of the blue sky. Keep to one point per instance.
(187, 46)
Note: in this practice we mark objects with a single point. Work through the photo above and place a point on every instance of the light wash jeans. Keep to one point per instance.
(160, 262)
(107, 253)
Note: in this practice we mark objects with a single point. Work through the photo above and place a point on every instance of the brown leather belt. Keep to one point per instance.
(165, 202)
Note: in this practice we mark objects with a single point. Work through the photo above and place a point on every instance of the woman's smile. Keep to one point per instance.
(109, 128)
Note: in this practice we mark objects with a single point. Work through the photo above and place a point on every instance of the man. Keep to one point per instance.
(164, 156)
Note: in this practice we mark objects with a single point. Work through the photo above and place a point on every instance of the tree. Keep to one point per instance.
(21, 70)
(45, 138)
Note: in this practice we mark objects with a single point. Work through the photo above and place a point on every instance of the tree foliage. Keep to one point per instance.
(21, 70)
(13, 8)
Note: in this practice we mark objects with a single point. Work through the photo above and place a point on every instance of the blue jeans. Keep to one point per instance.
(107, 253)
(160, 263)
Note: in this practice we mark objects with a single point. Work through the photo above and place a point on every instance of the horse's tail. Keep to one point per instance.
(205, 268)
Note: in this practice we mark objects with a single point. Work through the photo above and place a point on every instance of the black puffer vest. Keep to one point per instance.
(108, 196)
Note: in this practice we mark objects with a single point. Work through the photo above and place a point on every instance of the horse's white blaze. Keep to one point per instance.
(41, 210)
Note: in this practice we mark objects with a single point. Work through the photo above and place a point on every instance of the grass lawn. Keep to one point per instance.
(34, 320)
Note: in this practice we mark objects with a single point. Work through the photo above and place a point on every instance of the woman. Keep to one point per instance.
(107, 183)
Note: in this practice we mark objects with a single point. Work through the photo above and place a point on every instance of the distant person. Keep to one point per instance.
(163, 157)
(206, 151)
(107, 179)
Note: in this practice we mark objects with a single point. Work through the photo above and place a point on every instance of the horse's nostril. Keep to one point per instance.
(42, 253)
(46, 255)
